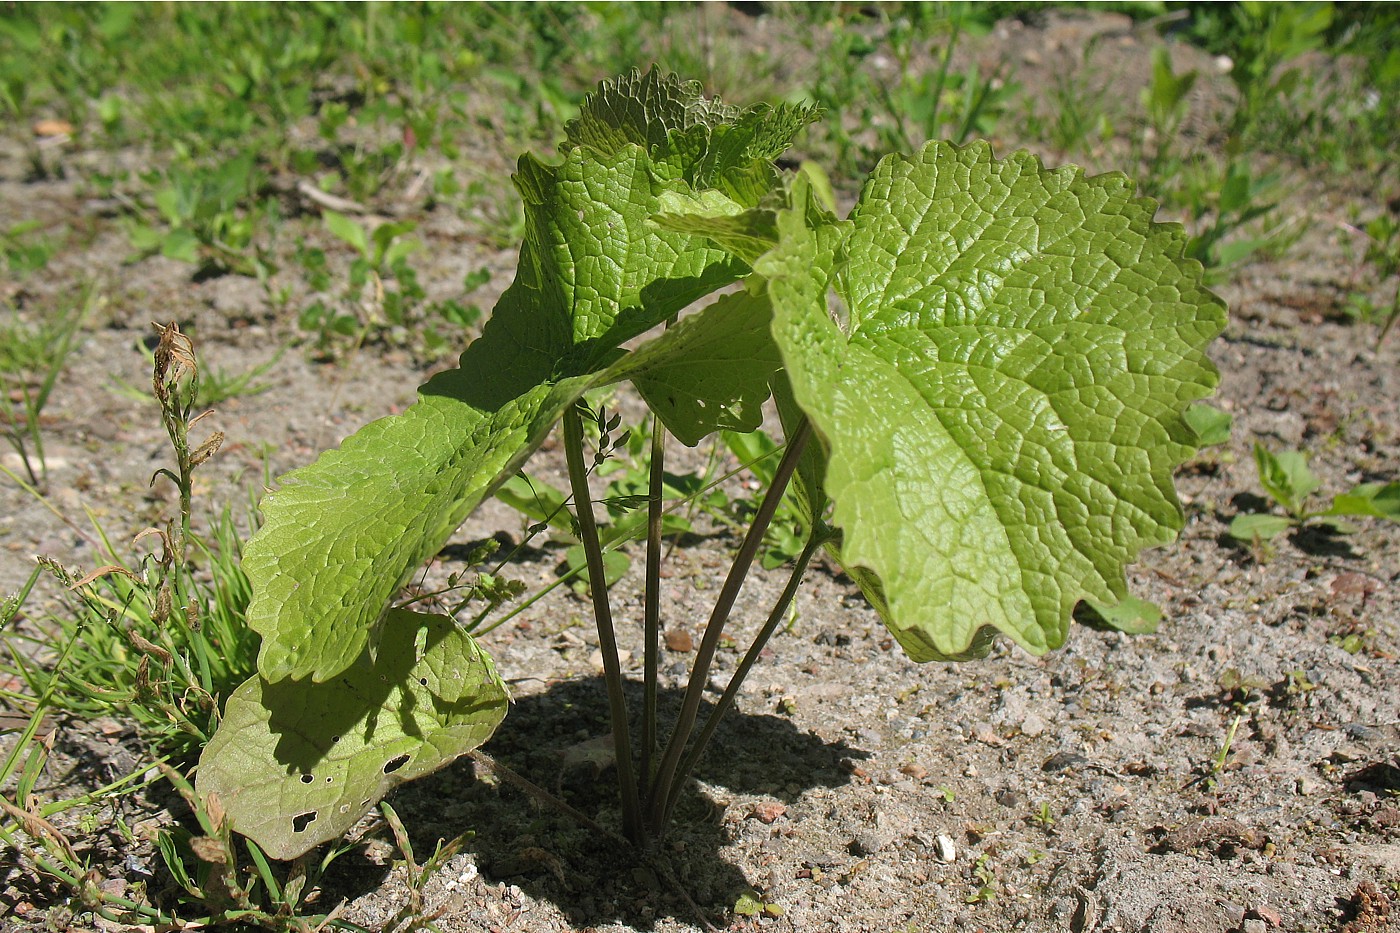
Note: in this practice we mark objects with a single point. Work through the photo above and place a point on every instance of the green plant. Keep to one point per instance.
(1211, 778)
(1232, 201)
(162, 641)
(1383, 255)
(24, 252)
(1290, 483)
(548, 507)
(1077, 122)
(753, 904)
(1166, 101)
(788, 531)
(216, 385)
(206, 216)
(981, 375)
(32, 357)
(382, 295)
(627, 460)
(159, 644)
(214, 883)
(1260, 40)
(985, 878)
(941, 104)
(1221, 201)
(919, 101)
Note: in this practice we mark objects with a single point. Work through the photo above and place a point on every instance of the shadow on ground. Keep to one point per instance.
(592, 879)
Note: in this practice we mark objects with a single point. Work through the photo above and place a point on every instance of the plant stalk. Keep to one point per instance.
(602, 614)
(651, 599)
(814, 541)
(724, 604)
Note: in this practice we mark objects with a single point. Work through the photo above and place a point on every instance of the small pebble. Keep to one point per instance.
(946, 850)
(869, 842)
(679, 640)
(1008, 797)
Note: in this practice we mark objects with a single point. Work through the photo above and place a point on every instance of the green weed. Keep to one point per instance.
(382, 299)
(1262, 40)
(1383, 256)
(1291, 485)
(159, 642)
(208, 217)
(32, 357)
(159, 639)
(873, 113)
(25, 248)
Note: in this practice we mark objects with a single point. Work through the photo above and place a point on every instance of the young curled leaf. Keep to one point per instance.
(206, 450)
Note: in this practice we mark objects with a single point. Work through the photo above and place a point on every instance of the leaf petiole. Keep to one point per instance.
(815, 539)
(724, 604)
(602, 614)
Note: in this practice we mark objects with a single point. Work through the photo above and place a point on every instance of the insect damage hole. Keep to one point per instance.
(303, 820)
(394, 764)
(307, 778)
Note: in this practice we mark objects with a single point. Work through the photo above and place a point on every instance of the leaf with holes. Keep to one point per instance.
(297, 763)
(1002, 404)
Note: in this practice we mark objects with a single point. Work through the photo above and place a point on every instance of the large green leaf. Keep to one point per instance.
(342, 535)
(297, 763)
(713, 372)
(1002, 403)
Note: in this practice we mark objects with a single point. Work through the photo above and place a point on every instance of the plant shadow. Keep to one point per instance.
(551, 738)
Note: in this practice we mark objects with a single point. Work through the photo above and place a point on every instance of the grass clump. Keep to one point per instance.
(157, 641)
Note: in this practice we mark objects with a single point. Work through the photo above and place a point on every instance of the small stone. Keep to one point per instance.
(595, 659)
(1064, 761)
(679, 640)
(1032, 725)
(986, 734)
(869, 842)
(947, 851)
(1386, 816)
(1255, 926)
(1362, 732)
(1308, 786)
(767, 812)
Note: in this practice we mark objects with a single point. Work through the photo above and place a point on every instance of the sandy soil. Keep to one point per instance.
(854, 790)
